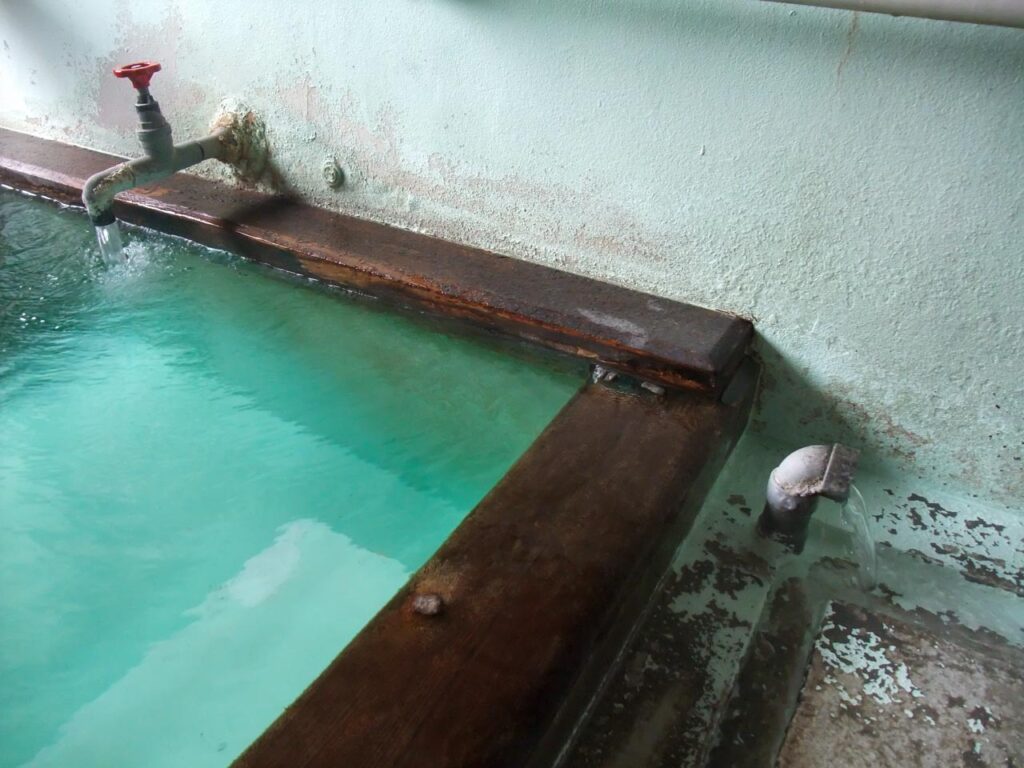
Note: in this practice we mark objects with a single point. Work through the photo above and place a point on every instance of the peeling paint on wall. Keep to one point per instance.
(714, 674)
(860, 654)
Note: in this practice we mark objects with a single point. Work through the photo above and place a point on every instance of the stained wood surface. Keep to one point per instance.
(531, 583)
(668, 342)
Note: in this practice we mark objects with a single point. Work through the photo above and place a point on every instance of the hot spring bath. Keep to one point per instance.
(210, 480)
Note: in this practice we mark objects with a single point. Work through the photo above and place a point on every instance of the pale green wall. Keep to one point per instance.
(854, 183)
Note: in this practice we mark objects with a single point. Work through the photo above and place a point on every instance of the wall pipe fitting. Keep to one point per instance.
(1000, 13)
(795, 486)
(162, 156)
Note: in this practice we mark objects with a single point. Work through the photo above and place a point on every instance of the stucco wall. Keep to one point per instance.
(855, 183)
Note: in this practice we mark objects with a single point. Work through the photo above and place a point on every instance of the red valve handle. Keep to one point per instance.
(140, 73)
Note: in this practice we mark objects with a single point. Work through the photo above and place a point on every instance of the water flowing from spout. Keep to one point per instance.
(109, 238)
(855, 520)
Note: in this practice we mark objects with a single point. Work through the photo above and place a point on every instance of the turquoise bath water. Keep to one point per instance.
(210, 480)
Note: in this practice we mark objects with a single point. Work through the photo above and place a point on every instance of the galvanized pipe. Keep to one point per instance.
(795, 486)
(1000, 13)
(100, 189)
(162, 156)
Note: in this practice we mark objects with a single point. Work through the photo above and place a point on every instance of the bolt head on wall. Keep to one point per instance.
(333, 175)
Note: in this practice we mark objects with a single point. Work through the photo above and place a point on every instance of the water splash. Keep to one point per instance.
(855, 520)
(138, 258)
(109, 238)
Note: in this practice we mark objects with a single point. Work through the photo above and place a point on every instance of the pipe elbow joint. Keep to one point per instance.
(98, 198)
(795, 486)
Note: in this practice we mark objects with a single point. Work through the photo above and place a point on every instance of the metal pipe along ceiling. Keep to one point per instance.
(1002, 13)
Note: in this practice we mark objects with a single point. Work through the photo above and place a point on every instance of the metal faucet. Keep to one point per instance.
(162, 156)
(795, 486)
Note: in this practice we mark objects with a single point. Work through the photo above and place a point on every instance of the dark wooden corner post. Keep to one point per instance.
(539, 580)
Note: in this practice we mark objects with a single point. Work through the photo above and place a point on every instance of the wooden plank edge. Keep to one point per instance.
(709, 370)
(537, 597)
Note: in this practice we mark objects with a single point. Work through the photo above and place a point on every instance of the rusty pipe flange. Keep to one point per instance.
(243, 139)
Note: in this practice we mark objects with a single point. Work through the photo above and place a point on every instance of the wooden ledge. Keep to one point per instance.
(537, 588)
(668, 342)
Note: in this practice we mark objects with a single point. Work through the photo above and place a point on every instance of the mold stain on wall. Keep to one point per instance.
(851, 182)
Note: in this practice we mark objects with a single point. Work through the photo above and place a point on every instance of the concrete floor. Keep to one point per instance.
(882, 692)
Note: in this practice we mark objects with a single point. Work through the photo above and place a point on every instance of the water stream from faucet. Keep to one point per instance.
(855, 519)
(109, 238)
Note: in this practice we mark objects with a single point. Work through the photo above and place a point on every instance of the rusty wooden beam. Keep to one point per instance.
(668, 342)
(540, 579)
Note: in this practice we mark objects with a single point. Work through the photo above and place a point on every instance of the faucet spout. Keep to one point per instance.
(100, 189)
(795, 486)
(162, 157)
